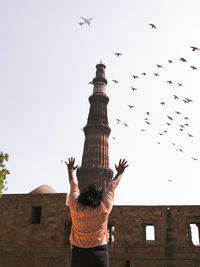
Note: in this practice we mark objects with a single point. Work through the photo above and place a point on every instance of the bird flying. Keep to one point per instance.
(193, 67)
(144, 73)
(194, 158)
(115, 81)
(170, 61)
(162, 103)
(182, 59)
(159, 66)
(118, 54)
(133, 88)
(188, 100)
(180, 84)
(85, 21)
(135, 76)
(175, 97)
(194, 48)
(170, 118)
(152, 26)
(156, 74)
(169, 82)
(131, 106)
(90, 83)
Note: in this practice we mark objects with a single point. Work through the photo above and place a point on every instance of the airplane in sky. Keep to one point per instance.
(87, 21)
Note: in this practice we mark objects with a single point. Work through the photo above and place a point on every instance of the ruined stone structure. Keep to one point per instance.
(34, 228)
(34, 231)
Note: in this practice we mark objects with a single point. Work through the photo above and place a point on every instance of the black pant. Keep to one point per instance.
(90, 257)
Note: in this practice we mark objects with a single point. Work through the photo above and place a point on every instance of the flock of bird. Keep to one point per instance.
(170, 120)
(181, 127)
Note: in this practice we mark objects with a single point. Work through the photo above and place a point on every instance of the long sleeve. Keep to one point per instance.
(74, 191)
(110, 193)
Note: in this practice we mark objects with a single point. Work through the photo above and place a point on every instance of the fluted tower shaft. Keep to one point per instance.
(95, 159)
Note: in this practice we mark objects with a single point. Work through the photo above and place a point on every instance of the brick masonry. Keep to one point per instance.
(26, 244)
(95, 159)
(23, 244)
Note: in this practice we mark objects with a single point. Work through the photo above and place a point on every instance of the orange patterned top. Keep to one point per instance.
(89, 225)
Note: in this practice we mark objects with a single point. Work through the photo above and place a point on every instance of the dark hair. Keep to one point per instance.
(91, 196)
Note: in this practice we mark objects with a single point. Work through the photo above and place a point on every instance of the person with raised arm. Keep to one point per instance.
(90, 210)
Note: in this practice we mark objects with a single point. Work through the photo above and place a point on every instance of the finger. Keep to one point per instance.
(115, 166)
(120, 162)
(123, 161)
(69, 160)
(66, 163)
(76, 167)
(126, 166)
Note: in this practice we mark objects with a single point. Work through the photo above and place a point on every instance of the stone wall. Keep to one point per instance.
(45, 243)
(24, 244)
(173, 242)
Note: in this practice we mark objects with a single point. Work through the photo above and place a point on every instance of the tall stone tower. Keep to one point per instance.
(95, 159)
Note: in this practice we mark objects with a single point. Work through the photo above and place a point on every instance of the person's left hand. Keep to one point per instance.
(121, 167)
(70, 164)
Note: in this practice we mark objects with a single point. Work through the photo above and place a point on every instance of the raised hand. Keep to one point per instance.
(121, 167)
(70, 164)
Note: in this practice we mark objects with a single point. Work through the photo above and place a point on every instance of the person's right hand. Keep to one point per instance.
(70, 164)
(121, 167)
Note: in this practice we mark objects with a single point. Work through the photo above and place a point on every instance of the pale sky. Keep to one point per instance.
(46, 62)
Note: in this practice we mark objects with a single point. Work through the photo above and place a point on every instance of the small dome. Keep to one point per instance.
(43, 189)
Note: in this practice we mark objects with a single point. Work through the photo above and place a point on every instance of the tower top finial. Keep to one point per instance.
(100, 74)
